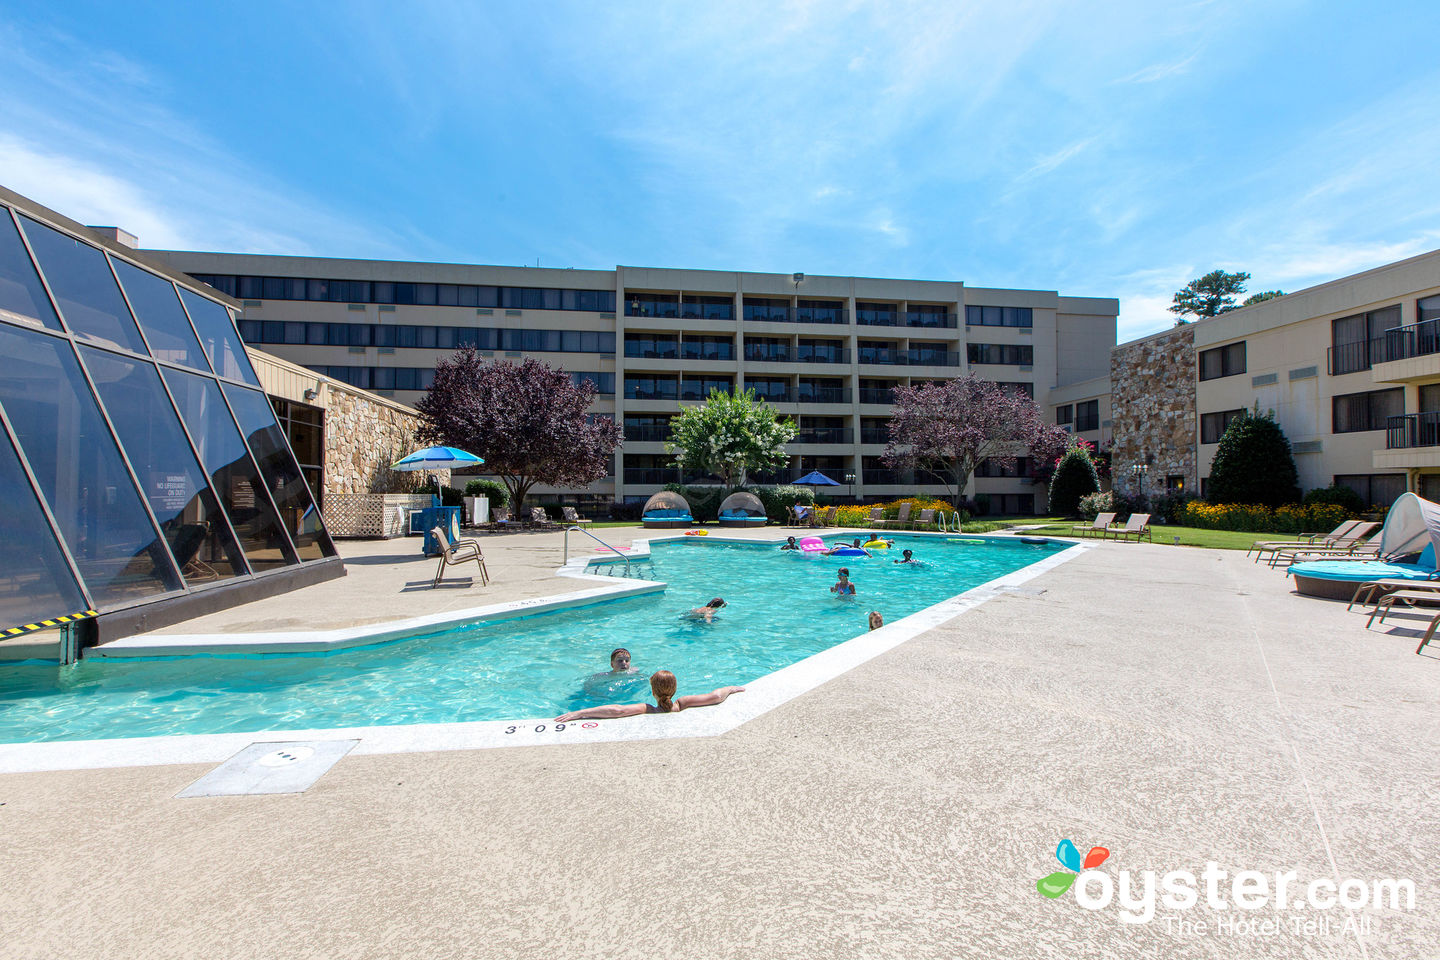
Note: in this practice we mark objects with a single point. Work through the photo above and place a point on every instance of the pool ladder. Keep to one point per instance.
(618, 553)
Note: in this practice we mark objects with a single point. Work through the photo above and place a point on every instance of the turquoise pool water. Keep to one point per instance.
(780, 611)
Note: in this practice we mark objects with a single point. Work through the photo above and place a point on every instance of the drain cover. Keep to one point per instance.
(289, 755)
(271, 768)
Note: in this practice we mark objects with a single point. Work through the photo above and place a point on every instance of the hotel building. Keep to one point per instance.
(826, 350)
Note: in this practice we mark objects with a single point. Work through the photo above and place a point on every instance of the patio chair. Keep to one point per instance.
(926, 518)
(1429, 632)
(1359, 550)
(1409, 596)
(1348, 532)
(539, 518)
(1101, 524)
(902, 518)
(572, 517)
(876, 518)
(500, 520)
(1137, 526)
(827, 518)
(461, 551)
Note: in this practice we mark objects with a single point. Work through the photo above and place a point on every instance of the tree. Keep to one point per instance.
(1209, 296)
(947, 428)
(1074, 478)
(1262, 297)
(1253, 463)
(729, 435)
(528, 420)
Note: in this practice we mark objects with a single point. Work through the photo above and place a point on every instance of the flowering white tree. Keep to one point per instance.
(729, 435)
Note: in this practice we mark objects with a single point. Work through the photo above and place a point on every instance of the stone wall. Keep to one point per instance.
(1152, 409)
(363, 436)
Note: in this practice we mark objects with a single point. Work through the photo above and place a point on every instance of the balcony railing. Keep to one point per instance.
(635, 393)
(755, 311)
(1412, 430)
(825, 435)
(707, 351)
(648, 434)
(707, 311)
(821, 315)
(874, 434)
(766, 355)
(877, 318)
(650, 351)
(668, 311)
(775, 396)
(833, 395)
(652, 475)
(1354, 357)
(804, 354)
(884, 355)
(932, 320)
(700, 389)
(884, 395)
(881, 476)
(1415, 340)
(933, 358)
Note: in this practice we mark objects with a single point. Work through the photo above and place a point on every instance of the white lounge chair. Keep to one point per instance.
(1100, 526)
(1137, 526)
(1348, 532)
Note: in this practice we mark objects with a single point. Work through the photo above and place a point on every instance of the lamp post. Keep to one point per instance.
(1138, 473)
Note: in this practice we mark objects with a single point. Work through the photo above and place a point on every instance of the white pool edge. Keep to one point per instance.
(760, 697)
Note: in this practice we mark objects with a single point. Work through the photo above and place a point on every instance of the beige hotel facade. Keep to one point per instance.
(827, 350)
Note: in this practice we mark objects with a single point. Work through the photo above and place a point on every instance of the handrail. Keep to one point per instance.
(618, 553)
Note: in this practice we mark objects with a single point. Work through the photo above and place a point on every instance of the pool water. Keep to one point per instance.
(780, 611)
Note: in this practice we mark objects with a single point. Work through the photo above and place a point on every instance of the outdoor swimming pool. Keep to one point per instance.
(780, 612)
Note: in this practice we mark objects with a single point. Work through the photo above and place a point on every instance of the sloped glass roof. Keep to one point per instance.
(124, 473)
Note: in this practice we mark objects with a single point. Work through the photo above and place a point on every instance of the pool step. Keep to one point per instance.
(639, 569)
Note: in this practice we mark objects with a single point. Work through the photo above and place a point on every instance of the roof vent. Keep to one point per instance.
(123, 237)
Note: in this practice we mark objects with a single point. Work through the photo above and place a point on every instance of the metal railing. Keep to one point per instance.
(811, 354)
(648, 434)
(825, 435)
(823, 395)
(885, 395)
(1412, 430)
(933, 320)
(644, 351)
(622, 555)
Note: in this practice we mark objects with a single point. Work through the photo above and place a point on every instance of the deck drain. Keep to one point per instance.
(271, 768)
(287, 756)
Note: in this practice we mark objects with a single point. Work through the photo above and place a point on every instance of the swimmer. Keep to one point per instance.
(848, 546)
(842, 587)
(907, 556)
(707, 612)
(876, 621)
(619, 668)
(662, 685)
(620, 662)
(790, 544)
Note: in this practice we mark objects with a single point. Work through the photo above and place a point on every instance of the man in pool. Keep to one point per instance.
(907, 556)
(662, 685)
(842, 587)
(790, 544)
(844, 546)
(707, 612)
(620, 669)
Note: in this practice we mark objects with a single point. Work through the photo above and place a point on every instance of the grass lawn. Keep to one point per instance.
(1189, 536)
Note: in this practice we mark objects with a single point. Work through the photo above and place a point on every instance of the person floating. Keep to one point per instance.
(662, 685)
(842, 587)
(707, 612)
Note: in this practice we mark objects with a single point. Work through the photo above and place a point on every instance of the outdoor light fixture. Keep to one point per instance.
(799, 278)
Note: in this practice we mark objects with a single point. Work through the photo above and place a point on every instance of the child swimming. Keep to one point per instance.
(662, 685)
(842, 587)
(707, 612)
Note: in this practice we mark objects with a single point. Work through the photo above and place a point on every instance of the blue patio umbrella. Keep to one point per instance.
(815, 479)
(437, 458)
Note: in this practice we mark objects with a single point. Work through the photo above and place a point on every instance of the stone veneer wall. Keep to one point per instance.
(1152, 409)
(362, 438)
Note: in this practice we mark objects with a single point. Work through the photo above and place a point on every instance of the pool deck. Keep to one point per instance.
(1174, 705)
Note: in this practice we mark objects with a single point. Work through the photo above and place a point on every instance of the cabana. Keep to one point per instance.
(1411, 526)
(742, 510)
(666, 509)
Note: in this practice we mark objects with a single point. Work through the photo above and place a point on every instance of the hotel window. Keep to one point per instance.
(1375, 489)
(642, 387)
(652, 305)
(652, 346)
(999, 317)
(1087, 415)
(1001, 353)
(708, 308)
(707, 348)
(1226, 361)
(1358, 341)
(1022, 387)
(774, 389)
(760, 308)
(1065, 414)
(1214, 425)
(698, 388)
(1357, 412)
(1427, 309)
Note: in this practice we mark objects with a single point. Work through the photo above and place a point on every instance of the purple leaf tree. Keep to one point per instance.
(947, 428)
(528, 420)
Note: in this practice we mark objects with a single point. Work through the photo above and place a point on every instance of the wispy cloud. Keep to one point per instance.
(1161, 71)
(1050, 162)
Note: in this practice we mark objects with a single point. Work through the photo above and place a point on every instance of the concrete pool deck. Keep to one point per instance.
(1174, 705)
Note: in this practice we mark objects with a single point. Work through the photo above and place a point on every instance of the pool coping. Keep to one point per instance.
(760, 697)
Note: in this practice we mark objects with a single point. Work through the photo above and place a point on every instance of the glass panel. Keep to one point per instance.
(282, 475)
(158, 309)
(173, 481)
(84, 287)
(232, 473)
(22, 298)
(217, 333)
(80, 472)
(35, 581)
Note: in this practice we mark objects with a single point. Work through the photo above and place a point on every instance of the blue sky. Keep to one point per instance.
(1102, 150)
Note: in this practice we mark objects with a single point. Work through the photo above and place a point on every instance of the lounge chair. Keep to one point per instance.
(1359, 550)
(1371, 591)
(1137, 526)
(1101, 524)
(461, 551)
(902, 518)
(572, 517)
(926, 518)
(876, 518)
(500, 520)
(1351, 531)
(539, 518)
(1409, 596)
(666, 509)
(827, 517)
(1429, 632)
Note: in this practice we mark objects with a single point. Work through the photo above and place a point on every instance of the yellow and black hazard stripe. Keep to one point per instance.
(47, 624)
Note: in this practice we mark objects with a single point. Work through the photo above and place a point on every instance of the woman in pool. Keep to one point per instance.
(707, 612)
(842, 587)
(662, 684)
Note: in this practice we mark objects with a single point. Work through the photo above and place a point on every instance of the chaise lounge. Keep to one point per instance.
(742, 510)
(666, 510)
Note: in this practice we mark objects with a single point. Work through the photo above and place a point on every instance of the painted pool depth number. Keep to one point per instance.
(554, 728)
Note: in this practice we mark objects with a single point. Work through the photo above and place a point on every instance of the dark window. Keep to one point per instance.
(1001, 353)
(1226, 361)
(663, 346)
(1087, 415)
(877, 314)
(1065, 414)
(233, 475)
(820, 311)
(1427, 309)
(698, 388)
(304, 427)
(172, 480)
(933, 355)
(80, 278)
(1174, 485)
(157, 307)
(217, 335)
(1021, 467)
(1356, 412)
(999, 316)
(761, 308)
(1375, 489)
(708, 308)
(774, 389)
(652, 305)
(80, 471)
(1358, 341)
(707, 348)
(1214, 425)
(767, 348)
(35, 580)
(604, 382)
(820, 351)
(1022, 387)
(22, 298)
(646, 387)
(828, 390)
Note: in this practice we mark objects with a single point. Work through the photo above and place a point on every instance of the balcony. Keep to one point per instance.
(638, 393)
(882, 355)
(1411, 430)
(825, 435)
(877, 318)
(874, 434)
(821, 315)
(885, 477)
(810, 354)
(933, 358)
(931, 320)
(1354, 357)
(707, 311)
(700, 389)
(650, 308)
(656, 475)
(650, 351)
(1409, 353)
(648, 434)
(832, 395)
(756, 354)
(885, 395)
(766, 312)
(706, 351)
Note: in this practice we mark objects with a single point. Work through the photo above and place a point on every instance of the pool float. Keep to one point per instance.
(877, 545)
(811, 544)
(697, 533)
(1034, 541)
(848, 552)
